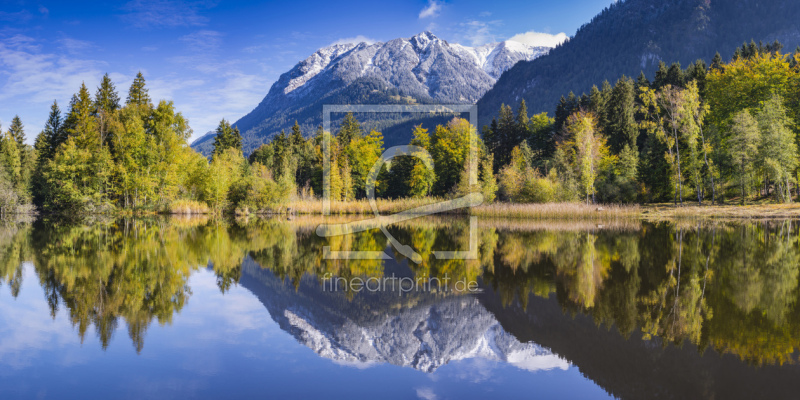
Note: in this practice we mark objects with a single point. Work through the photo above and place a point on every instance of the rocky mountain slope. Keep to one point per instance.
(632, 36)
(418, 330)
(421, 69)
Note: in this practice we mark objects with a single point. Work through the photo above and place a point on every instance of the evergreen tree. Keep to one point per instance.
(137, 94)
(622, 127)
(106, 99)
(17, 131)
(52, 136)
(505, 136)
(349, 130)
(675, 75)
(80, 123)
(716, 62)
(227, 137)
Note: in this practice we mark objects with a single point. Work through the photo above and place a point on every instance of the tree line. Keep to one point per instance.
(704, 133)
(718, 132)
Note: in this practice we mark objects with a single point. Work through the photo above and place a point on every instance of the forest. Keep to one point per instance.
(725, 132)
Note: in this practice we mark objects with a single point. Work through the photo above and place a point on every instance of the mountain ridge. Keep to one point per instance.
(422, 69)
(633, 36)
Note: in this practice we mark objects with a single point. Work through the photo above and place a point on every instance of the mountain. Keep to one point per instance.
(417, 330)
(632, 36)
(422, 69)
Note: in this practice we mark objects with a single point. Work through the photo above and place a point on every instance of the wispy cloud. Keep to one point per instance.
(203, 41)
(75, 46)
(165, 13)
(356, 40)
(540, 38)
(478, 32)
(426, 393)
(431, 10)
(38, 76)
(18, 16)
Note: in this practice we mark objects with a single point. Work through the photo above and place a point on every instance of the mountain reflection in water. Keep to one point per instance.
(643, 310)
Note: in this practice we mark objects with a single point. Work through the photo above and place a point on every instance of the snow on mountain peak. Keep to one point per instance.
(478, 66)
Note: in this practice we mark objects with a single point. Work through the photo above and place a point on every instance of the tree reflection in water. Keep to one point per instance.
(729, 286)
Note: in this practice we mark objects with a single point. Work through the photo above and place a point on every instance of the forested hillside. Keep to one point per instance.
(633, 36)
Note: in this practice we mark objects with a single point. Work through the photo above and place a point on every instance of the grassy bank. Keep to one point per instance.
(559, 211)
(494, 210)
(726, 211)
(528, 211)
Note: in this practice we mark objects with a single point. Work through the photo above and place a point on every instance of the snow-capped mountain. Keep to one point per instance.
(423, 338)
(422, 65)
(420, 69)
(423, 332)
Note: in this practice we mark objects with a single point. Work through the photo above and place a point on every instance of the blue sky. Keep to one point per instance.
(217, 59)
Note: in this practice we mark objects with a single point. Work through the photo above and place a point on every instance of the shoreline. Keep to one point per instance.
(518, 211)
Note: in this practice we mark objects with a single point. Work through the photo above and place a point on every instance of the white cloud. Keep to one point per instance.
(75, 46)
(478, 32)
(31, 79)
(355, 40)
(431, 10)
(203, 41)
(540, 38)
(426, 393)
(208, 88)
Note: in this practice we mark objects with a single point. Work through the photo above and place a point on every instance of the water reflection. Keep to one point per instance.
(715, 295)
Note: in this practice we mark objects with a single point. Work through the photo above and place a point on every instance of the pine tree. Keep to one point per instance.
(226, 137)
(505, 135)
(349, 130)
(642, 81)
(52, 136)
(107, 98)
(137, 94)
(675, 75)
(521, 128)
(661, 76)
(80, 122)
(622, 128)
(296, 138)
(17, 131)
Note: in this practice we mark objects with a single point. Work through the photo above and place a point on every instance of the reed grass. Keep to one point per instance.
(494, 210)
(728, 211)
(356, 207)
(558, 211)
(188, 207)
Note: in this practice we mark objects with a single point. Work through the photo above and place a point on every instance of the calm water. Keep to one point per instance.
(181, 308)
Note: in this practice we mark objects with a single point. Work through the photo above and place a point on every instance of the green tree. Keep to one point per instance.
(107, 98)
(17, 131)
(349, 130)
(743, 148)
(778, 149)
(587, 148)
(621, 128)
(227, 137)
(80, 123)
(137, 94)
(420, 178)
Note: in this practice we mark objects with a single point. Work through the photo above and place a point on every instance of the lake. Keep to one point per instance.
(244, 308)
